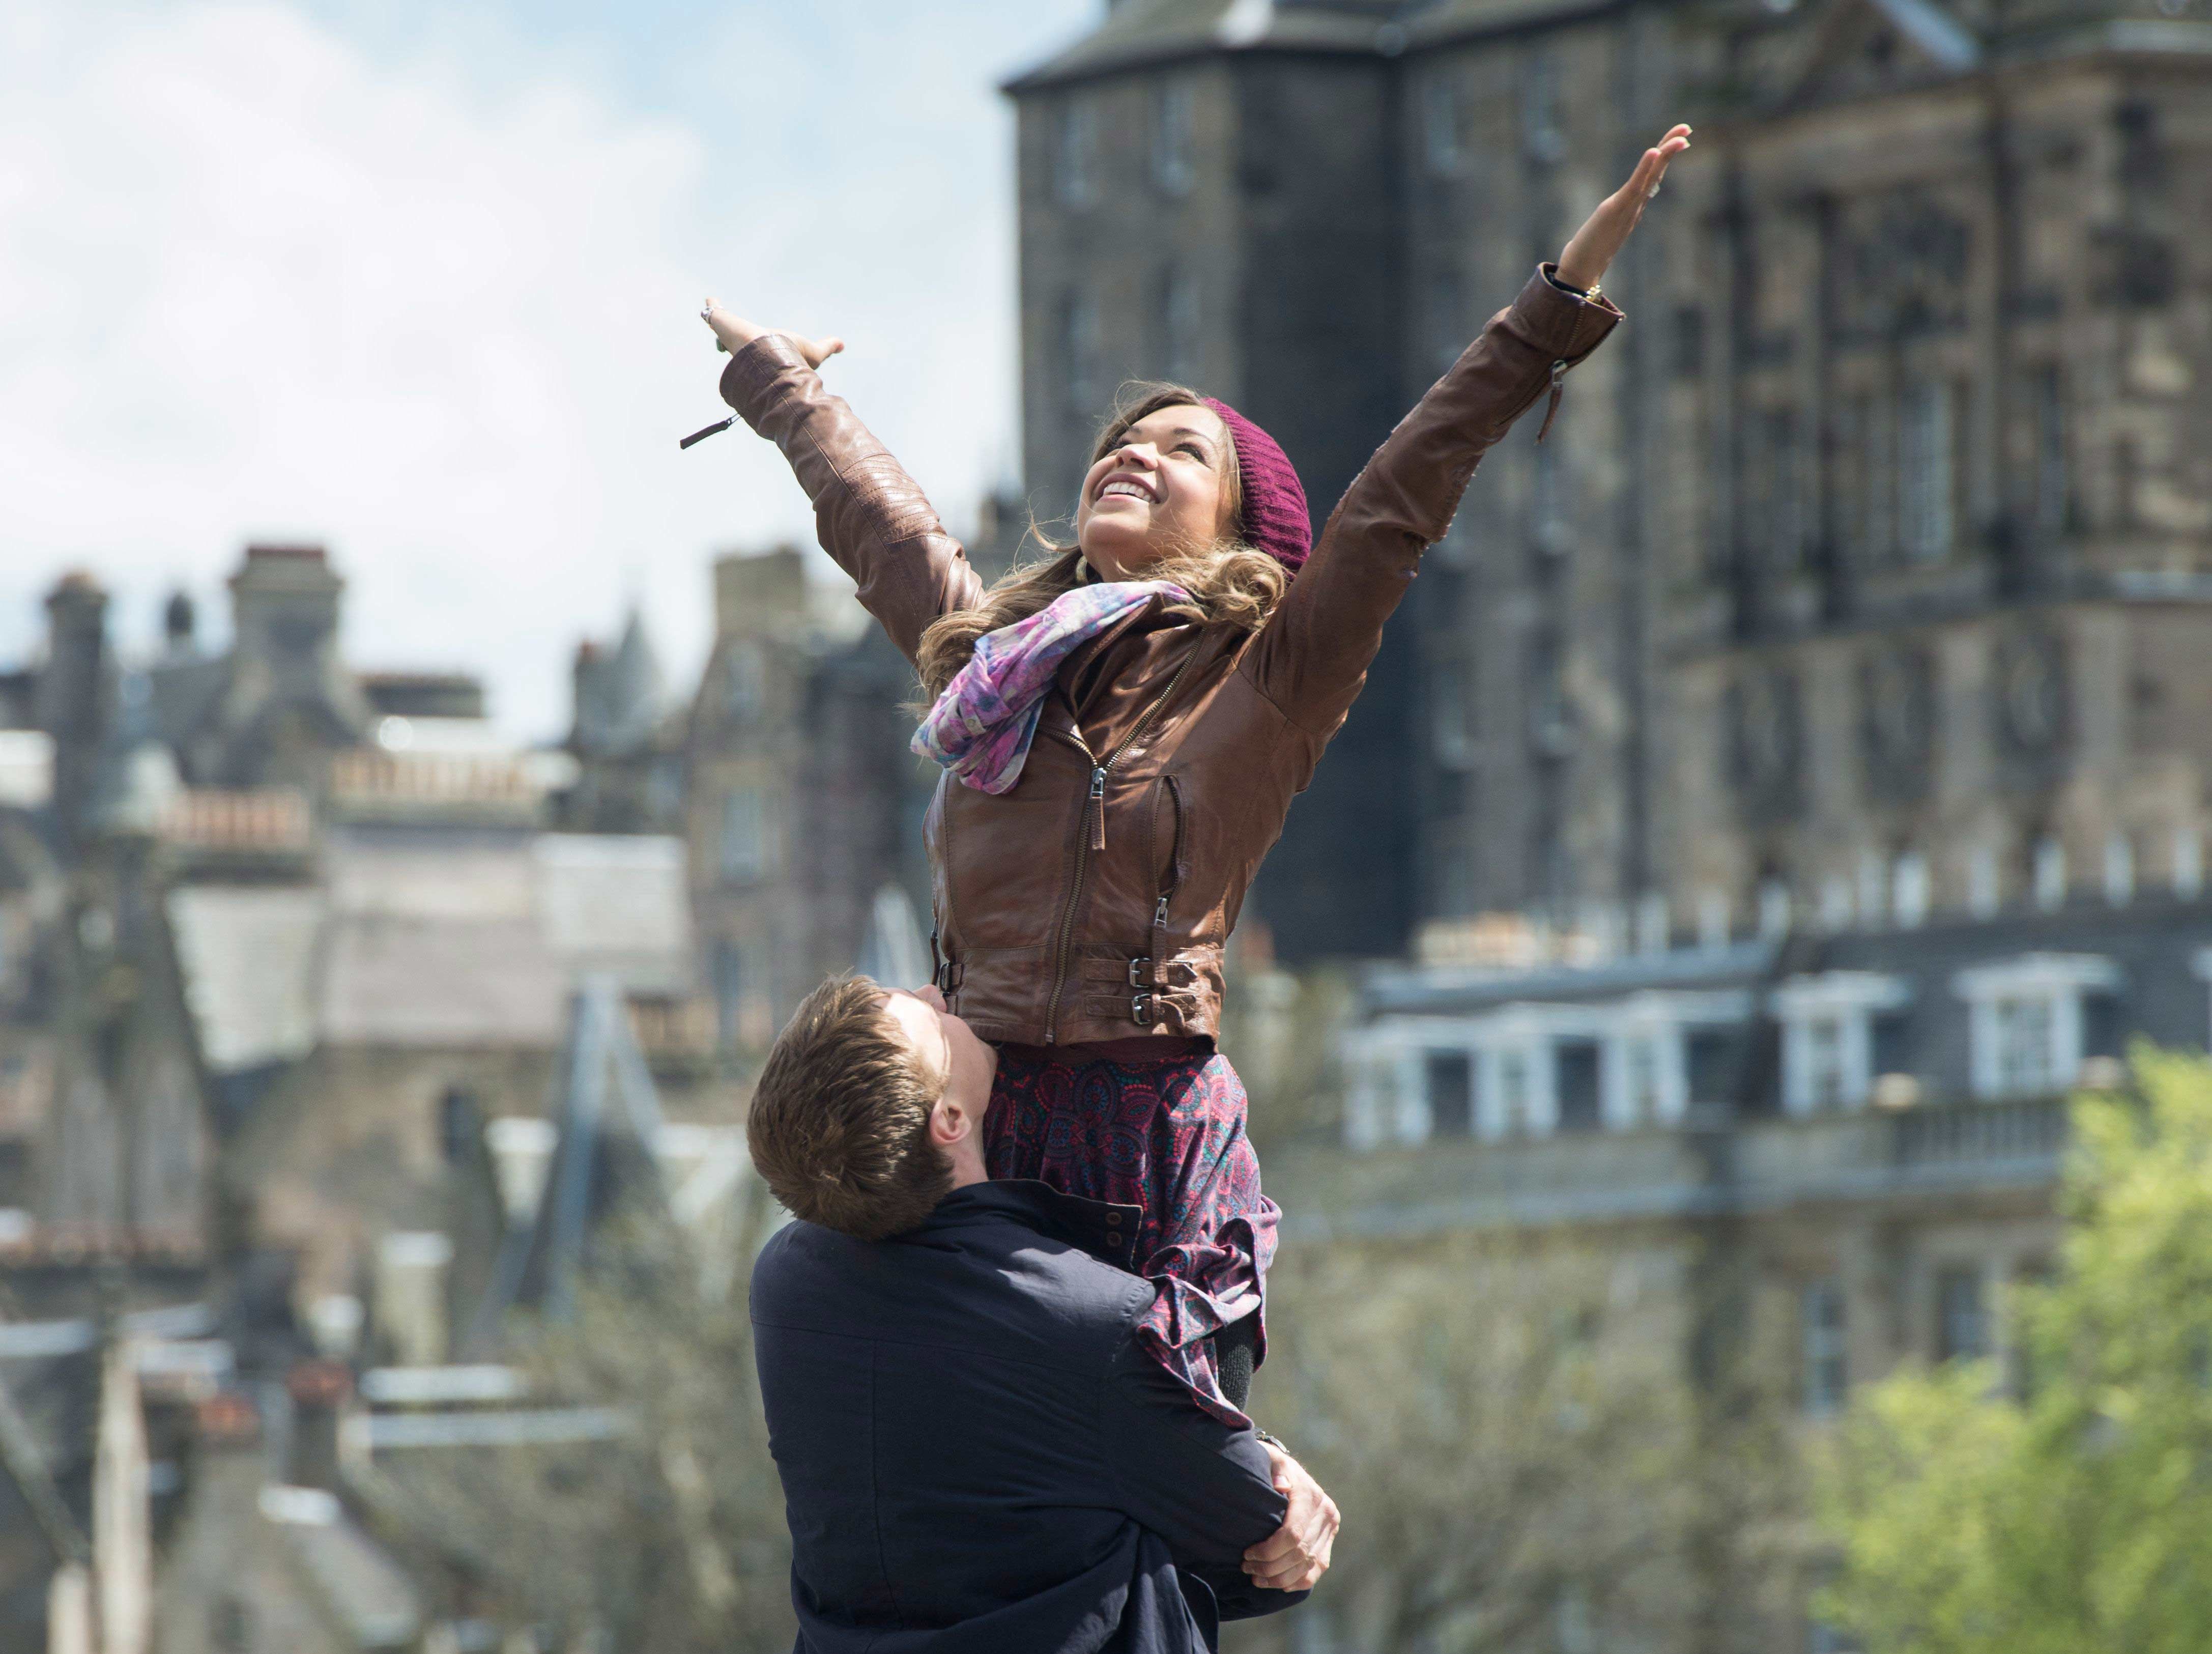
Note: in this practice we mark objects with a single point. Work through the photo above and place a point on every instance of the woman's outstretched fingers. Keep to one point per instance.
(1599, 242)
(731, 333)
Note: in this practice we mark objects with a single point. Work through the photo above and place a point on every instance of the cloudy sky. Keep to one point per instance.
(419, 282)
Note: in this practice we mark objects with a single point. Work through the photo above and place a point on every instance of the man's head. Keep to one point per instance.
(870, 1108)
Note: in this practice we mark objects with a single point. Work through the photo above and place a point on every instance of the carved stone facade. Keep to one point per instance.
(1879, 534)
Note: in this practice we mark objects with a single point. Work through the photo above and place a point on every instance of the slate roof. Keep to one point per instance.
(433, 942)
(247, 958)
(360, 1586)
(416, 938)
(1136, 32)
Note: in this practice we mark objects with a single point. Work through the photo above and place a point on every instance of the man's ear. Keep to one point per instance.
(948, 1122)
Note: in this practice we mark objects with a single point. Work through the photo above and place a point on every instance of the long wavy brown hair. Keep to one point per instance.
(1229, 583)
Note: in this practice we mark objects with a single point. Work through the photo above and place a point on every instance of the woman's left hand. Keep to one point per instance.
(1599, 242)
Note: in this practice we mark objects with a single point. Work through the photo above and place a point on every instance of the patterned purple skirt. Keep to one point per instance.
(1166, 1134)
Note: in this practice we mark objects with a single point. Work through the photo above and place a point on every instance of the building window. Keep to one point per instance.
(1827, 1079)
(1962, 1332)
(1080, 351)
(1547, 502)
(1181, 307)
(2119, 869)
(2025, 1024)
(729, 993)
(1710, 1055)
(1539, 108)
(1442, 137)
(1447, 316)
(2050, 478)
(744, 847)
(2027, 1020)
(1075, 154)
(743, 681)
(1645, 1099)
(1827, 1036)
(1909, 889)
(1451, 728)
(1777, 495)
(1451, 1094)
(1576, 1078)
(1983, 894)
(1821, 1333)
(1175, 138)
(2047, 875)
(1513, 1091)
(1866, 495)
(1928, 505)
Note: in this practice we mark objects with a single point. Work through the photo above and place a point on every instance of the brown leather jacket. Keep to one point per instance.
(1093, 901)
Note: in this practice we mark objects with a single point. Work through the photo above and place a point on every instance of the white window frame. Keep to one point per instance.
(1820, 1344)
(1386, 1062)
(1849, 1000)
(2061, 980)
(1175, 138)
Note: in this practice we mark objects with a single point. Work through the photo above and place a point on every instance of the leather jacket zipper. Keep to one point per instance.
(942, 915)
(1094, 840)
(1559, 390)
(1171, 880)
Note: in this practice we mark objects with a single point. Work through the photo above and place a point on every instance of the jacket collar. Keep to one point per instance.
(1106, 1231)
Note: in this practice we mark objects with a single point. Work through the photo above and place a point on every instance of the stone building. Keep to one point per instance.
(803, 803)
(1865, 558)
(290, 960)
(1790, 757)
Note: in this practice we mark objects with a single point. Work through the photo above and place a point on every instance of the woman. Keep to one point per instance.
(1125, 725)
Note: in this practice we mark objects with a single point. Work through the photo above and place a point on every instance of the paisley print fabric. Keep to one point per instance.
(981, 725)
(1167, 1134)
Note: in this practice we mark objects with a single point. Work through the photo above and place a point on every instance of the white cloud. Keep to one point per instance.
(254, 282)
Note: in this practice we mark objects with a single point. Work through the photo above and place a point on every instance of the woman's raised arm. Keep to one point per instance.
(869, 514)
(1312, 657)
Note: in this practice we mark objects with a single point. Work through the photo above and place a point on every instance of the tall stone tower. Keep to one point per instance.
(1864, 575)
(1198, 207)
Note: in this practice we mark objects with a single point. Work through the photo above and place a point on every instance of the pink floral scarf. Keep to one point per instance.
(981, 725)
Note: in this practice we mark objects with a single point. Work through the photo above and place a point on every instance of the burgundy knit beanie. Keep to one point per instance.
(1274, 518)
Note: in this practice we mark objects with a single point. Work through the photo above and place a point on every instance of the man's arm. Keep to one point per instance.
(1205, 1488)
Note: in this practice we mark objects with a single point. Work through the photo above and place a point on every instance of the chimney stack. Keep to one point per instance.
(76, 693)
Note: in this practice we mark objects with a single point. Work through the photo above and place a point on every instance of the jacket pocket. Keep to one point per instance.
(1168, 830)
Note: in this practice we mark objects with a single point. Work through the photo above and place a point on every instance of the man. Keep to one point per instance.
(975, 1453)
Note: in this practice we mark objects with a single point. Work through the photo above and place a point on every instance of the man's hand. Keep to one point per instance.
(732, 333)
(1297, 1552)
(1600, 240)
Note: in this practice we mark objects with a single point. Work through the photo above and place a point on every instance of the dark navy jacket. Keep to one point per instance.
(976, 1457)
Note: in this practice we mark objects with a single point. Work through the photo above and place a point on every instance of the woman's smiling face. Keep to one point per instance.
(1162, 488)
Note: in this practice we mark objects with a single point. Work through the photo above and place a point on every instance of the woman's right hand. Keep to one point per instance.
(732, 333)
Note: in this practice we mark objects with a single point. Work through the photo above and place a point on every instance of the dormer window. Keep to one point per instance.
(2032, 1020)
(1828, 1037)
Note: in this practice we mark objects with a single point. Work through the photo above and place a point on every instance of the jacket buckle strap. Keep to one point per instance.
(948, 977)
(1141, 1010)
(1139, 971)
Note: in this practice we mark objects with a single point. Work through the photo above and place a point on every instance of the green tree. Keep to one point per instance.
(2068, 1509)
(1525, 1464)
